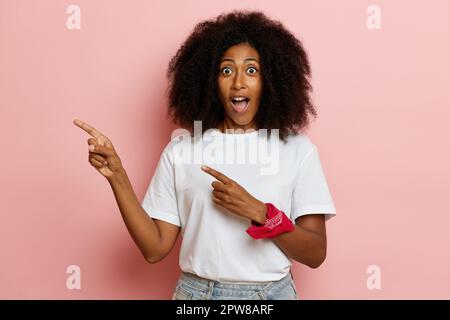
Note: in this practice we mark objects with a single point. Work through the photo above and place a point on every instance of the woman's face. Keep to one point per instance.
(240, 86)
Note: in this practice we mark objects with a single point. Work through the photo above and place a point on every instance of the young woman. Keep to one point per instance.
(240, 75)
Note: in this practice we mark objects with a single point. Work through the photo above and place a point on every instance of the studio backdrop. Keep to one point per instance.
(380, 76)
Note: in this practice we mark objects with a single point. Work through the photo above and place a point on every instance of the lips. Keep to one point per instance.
(240, 105)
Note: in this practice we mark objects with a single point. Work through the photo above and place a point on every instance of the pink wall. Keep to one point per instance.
(382, 132)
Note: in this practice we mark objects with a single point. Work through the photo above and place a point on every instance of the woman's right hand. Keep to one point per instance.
(102, 155)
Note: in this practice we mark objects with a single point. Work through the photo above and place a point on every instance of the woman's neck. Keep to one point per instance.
(228, 124)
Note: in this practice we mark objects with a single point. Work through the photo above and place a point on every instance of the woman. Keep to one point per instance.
(243, 222)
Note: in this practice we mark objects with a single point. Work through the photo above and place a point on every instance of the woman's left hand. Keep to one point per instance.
(232, 196)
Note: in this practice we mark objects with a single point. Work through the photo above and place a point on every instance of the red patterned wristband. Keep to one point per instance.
(276, 223)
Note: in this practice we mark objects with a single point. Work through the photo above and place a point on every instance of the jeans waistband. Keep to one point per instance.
(197, 282)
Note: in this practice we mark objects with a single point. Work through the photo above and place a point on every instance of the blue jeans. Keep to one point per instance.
(192, 287)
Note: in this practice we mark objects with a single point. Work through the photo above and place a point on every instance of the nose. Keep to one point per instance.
(238, 80)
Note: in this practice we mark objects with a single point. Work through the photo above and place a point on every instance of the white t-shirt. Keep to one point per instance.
(215, 243)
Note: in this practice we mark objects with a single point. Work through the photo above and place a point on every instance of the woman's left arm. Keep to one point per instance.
(307, 243)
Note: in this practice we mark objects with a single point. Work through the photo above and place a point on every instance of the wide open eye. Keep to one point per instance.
(226, 68)
(254, 69)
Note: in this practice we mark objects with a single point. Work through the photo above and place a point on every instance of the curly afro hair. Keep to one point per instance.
(193, 72)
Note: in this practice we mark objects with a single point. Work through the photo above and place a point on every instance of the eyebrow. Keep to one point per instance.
(246, 59)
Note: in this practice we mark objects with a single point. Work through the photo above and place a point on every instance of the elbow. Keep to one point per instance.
(319, 256)
(316, 264)
(152, 260)
(318, 260)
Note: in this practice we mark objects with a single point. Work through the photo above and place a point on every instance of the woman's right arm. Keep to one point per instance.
(154, 238)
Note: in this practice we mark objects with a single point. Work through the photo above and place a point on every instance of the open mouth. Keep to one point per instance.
(240, 104)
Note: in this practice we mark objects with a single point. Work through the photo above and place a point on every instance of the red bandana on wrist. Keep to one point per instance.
(276, 223)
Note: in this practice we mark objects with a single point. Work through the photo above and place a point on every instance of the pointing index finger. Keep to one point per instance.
(216, 174)
(91, 130)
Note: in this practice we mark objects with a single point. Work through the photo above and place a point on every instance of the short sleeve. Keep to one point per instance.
(311, 194)
(160, 199)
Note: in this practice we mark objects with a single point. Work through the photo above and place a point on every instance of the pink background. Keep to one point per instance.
(382, 133)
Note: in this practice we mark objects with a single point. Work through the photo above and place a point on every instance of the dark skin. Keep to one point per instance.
(307, 244)
(240, 76)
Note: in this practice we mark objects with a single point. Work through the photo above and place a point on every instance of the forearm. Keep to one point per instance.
(303, 245)
(140, 225)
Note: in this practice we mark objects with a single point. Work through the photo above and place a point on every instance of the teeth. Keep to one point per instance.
(239, 98)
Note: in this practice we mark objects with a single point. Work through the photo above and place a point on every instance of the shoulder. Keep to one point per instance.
(300, 143)
(179, 140)
(298, 146)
